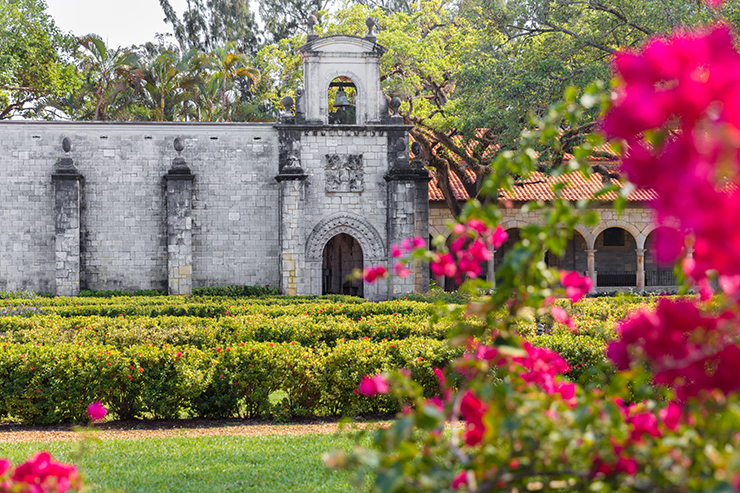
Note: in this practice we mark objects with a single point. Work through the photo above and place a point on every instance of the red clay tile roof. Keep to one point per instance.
(537, 187)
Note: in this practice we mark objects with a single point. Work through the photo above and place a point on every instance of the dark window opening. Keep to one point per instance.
(614, 237)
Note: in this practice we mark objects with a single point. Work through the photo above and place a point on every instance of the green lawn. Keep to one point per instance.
(206, 464)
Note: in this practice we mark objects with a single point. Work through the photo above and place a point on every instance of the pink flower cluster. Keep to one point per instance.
(408, 245)
(370, 386)
(641, 423)
(40, 474)
(472, 246)
(688, 86)
(473, 410)
(372, 274)
(576, 286)
(97, 411)
(683, 346)
(542, 365)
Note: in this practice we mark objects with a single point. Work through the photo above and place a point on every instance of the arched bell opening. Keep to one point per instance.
(342, 254)
(342, 102)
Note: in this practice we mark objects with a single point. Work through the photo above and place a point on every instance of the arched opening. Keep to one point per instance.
(574, 257)
(657, 273)
(615, 259)
(500, 253)
(342, 254)
(342, 101)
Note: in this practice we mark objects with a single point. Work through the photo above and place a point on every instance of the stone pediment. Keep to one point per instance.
(342, 43)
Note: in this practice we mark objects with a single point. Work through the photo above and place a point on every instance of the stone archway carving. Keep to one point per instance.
(344, 222)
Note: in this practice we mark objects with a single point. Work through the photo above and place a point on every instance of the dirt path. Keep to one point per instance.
(132, 430)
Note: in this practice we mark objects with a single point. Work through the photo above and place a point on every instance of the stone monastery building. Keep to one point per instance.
(296, 204)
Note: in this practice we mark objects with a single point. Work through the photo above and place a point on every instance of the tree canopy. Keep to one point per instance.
(33, 66)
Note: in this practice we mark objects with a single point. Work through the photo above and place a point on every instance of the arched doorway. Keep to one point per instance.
(616, 259)
(342, 254)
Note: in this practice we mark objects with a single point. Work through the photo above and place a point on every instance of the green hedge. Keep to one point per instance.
(215, 307)
(200, 332)
(55, 383)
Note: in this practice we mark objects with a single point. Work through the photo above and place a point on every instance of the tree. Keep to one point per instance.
(34, 65)
(206, 25)
(533, 49)
(230, 66)
(171, 81)
(287, 18)
(113, 77)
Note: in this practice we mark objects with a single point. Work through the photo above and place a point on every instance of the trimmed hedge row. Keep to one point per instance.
(55, 383)
(218, 307)
(199, 332)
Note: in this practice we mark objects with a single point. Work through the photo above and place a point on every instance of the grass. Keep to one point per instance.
(274, 463)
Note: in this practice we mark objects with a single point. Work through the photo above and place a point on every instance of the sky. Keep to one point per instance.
(118, 22)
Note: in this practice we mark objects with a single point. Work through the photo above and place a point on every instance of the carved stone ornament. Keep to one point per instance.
(357, 227)
(344, 173)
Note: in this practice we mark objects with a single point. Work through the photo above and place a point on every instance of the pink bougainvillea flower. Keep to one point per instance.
(729, 284)
(472, 410)
(678, 331)
(671, 416)
(458, 245)
(370, 386)
(96, 411)
(562, 317)
(668, 245)
(401, 270)
(460, 480)
(444, 265)
(479, 251)
(396, 252)
(498, 237)
(372, 274)
(43, 474)
(567, 390)
(410, 244)
(5, 466)
(576, 286)
(478, 226)
(541, 365)
(626, 465)
(470, 267)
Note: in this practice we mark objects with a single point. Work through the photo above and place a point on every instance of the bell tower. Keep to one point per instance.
(347, 188)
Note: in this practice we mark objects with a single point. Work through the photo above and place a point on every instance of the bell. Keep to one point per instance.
(341, 100)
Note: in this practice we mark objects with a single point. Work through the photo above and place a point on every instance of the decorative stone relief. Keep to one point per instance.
(361, 230)
(344, 173)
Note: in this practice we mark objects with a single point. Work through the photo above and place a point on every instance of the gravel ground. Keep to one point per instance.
(133, 430)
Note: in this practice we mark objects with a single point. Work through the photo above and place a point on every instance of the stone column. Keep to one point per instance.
(591, 266)
(66, 178)
(179, 225)
(294, 278)
(492, 268)
(408, 205)
(641, 268)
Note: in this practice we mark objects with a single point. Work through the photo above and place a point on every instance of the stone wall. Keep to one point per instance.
(123, 214)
